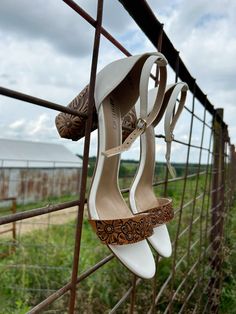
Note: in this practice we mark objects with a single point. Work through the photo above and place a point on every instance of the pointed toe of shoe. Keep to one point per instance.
(137, 257)
(160, 241)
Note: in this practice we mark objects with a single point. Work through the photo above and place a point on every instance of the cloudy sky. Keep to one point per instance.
(45, 51)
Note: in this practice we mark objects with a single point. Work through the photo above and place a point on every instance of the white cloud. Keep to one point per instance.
(38, 126)
(50, 21)
(204, 32)
(36, 129)
(46, 52)
(17, 124)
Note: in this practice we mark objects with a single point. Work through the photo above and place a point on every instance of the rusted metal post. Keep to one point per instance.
(215, 178)
(234, 167)
(160, 36)
(133, 295)
(234, 175)
(13, 208)
(222, 216)
(154, 287)
(88, 129)
(232, 172)
(176, 243)
(217, 210)
(159, 46)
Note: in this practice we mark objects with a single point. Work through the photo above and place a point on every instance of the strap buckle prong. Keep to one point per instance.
(141, 124)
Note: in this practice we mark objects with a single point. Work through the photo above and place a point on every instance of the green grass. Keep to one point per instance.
(228, 297)
(54, 248)
(43, 259)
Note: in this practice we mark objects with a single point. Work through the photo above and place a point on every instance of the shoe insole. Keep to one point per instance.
(144, 194)
(106, 201)
(109, 201)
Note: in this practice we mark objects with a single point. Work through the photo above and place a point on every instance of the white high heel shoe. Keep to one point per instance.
(118, 87)
(142, 197)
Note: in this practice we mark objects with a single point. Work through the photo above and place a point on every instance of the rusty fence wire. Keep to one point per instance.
(203, 193)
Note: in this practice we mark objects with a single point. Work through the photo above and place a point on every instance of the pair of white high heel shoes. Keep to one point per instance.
(120, 86)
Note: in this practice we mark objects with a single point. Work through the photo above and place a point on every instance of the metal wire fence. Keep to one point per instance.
(191, 280)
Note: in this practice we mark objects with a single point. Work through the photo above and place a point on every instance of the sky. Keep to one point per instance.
(45, 51)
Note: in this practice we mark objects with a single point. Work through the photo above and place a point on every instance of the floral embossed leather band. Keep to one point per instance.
(73, 127)
(161, 214)
(123, 231)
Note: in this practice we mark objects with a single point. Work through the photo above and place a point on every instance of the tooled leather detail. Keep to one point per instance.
(73, 127)
(162, 214)
(123, 231)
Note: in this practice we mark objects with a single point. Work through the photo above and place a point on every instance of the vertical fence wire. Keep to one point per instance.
(173, 292)
(86, 155)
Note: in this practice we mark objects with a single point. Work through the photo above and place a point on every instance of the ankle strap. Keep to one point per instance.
(145, 119)
(171, 118)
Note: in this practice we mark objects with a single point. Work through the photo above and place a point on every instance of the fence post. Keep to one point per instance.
(13, 208)
(232, 172)
(217, 214)
(88, 128)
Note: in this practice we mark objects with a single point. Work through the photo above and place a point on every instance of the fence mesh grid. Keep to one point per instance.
(203, 193)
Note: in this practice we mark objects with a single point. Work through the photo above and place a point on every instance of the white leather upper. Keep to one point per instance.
(171, 118)
(113, 74)
(145, 119)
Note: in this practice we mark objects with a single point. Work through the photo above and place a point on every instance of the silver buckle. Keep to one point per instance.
(141, 124)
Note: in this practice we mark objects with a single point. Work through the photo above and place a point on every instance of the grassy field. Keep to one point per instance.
(42, 263)
(228, 297)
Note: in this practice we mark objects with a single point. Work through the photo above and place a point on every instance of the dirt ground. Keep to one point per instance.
(40, 222)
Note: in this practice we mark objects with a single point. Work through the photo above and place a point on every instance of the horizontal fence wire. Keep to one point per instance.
(40, 102)
(200, 209)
